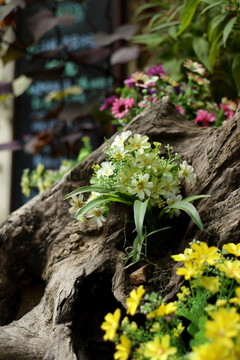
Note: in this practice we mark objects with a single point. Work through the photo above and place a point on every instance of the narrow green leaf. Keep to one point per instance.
(228, 28)
(189, 9)
(144, 7)
(189, 209)
(217, 20)
(195, 197)
(217, 3)
(89, 188)
(201, 49)
(165, 25)
(154, 18)
(158, 230)
(214, 50)
(137, 247)
(97, 202)
(139, 211)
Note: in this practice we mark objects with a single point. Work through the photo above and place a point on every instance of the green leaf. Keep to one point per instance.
(189, 209)
(236, 71)
(192, 329)
(212, 5)
(139, 211)
(97, 202)
(228, 28)
(201, 49)
(158, 230)
(165, 25)
(145, 7)
(89, 188)
(137, 247)
(214, 51)
(151, 40)
(213, 31)
(195, 197)
(189, 9)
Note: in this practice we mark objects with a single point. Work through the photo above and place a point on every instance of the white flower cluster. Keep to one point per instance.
(134, 167)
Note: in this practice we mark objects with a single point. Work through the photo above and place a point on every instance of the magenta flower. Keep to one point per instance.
(156, 70)
(203, 118)
(121, 107)
(229, 107)
(180, 109)
(227, 111)
(108, 103)
(130, 82)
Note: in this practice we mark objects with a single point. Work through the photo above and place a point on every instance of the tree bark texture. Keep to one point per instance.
(59, 277)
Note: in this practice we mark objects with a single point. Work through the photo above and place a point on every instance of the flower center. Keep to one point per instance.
(122, 108)
(140, 185)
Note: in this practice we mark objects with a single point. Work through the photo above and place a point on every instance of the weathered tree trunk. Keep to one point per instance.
(59, 277)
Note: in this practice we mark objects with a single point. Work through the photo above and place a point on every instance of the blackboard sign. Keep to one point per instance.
(56, 63)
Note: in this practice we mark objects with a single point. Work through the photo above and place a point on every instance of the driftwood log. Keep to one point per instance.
(59, 277)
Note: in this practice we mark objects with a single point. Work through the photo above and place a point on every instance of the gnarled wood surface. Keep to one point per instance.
(59, 277)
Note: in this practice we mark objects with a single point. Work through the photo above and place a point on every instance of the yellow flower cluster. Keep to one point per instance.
(206, 312)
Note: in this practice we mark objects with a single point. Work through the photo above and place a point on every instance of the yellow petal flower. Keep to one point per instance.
(159, 349)
(232, 248)
(205, 254)
(211, 283)
(191, 269)
(231, 269)
(110, 325)
(134, 300)
(225, 323)
(123, 348)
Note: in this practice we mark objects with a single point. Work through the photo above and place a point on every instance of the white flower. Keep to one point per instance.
(187, 172)
(150, 160)
(141, 186)
(139, 143)
(120, 139)
(117, 152)
(96, 215)
(106, 169)
(76, 202)
(167, 186)
(172, 199)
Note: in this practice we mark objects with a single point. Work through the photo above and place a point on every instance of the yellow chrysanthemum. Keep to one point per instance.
(185, 256)
(211, 283)
(225, 323)
(221, 302)
(123, 348)
(232, 248)
(205, 254)
(190, 270)
(216, 350)
(159, 349)
(236, 299)
(134, 300)
(231, 269)
(110, 325)
(163, 309)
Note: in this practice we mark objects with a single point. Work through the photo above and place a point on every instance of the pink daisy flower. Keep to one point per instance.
(121, 107)
(108, 103)
(203, 118)
(156, 70)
